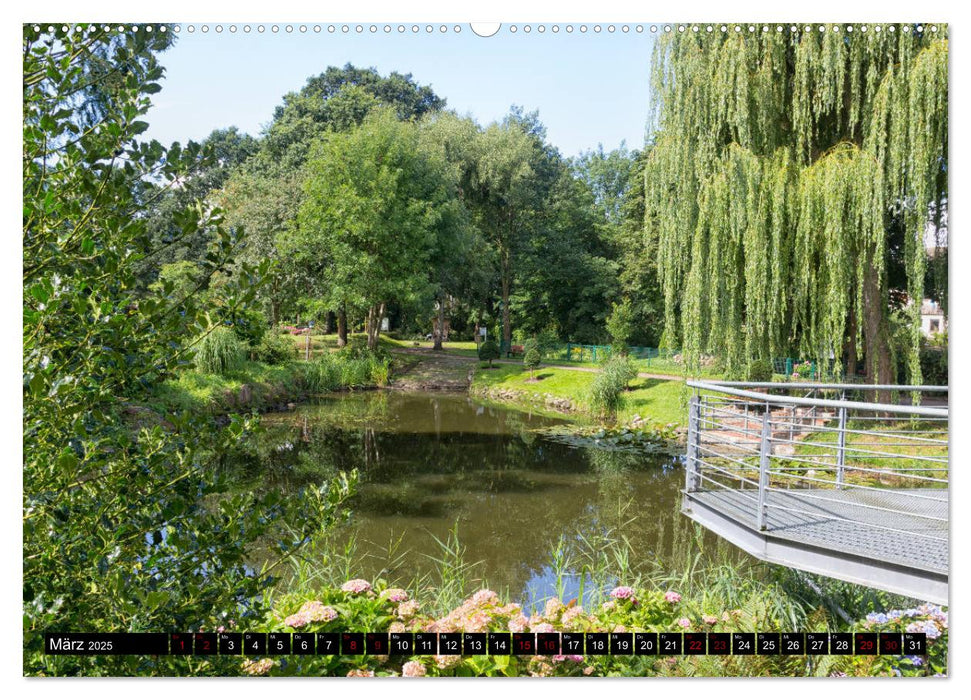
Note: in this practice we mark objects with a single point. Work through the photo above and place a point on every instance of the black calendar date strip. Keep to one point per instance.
(485, 644)
(106, 644)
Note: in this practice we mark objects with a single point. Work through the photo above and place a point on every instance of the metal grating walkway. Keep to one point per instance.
(801, 517)
(821, 478)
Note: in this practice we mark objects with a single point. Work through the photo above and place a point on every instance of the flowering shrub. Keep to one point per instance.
(802, 370)
(929, 619)
(362, 607)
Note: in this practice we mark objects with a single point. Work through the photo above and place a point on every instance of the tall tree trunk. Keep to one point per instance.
(849, 349)
(506, 326)
(342, 326)
(274, 310)
(439, 325)
(329, 319)
(877, 340)
(373, 325)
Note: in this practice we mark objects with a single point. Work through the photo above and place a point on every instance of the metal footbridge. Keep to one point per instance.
(823, 478)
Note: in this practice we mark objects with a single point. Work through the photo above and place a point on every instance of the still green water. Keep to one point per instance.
(534, 514)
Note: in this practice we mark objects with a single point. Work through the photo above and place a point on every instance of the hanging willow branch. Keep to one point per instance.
(780, 161)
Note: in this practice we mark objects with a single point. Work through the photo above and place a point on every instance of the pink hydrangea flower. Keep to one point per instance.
(622, 593)
(413, 669)
(360, 673)
(542, 627)
(553, 606)
(518, 624)
(509, 609)
(257, 668)
(408, 609)
(297, 620)
(477, 622)
(672, 597)
(447, 662)
(684, 622)
(571, 614)
(357, 585)
(316, 611)
(395, 595)
(484, 597)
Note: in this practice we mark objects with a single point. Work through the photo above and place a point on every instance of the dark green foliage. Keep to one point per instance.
(248, 324)
(126, 526)
(274, 349)
(620, 324)
(489, 351)
(759, 371)
(933, 365)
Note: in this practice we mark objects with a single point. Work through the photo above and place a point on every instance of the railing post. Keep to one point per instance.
(765, 454)
(692, 475)
(841, 448)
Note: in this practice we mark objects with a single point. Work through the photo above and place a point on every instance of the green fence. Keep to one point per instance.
(577, 352)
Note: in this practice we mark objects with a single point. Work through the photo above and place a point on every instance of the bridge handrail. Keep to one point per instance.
(732, 389)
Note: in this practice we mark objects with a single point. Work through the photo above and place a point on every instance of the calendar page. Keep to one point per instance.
(426, 349)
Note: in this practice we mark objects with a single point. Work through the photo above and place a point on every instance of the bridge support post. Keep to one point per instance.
(841, 449)
(692, 475)
(765, 454)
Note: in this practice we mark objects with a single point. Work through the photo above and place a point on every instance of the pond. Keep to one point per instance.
(531, 515)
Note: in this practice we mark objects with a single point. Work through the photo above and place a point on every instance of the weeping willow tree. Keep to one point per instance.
(781, 162)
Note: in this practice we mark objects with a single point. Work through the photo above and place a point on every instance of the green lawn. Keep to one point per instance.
(658, 401)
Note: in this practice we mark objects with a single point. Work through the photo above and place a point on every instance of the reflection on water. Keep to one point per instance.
(524, 506)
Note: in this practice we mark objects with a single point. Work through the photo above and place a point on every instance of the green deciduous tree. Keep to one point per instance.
(376, 210)
(779, 164)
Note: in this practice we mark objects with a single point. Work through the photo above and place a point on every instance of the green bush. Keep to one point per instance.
(489, 351)
(607, 390)
(933, 365)
(220, 352)
(274, 349)
(532, 359)
(623, 366)
(322, 374)
(249, 325)
(606, 394)
(547, 342)
(333, 371)
(759, 371)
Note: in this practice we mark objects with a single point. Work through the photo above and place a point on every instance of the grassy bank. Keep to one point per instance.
(257, 385)
(656, 402)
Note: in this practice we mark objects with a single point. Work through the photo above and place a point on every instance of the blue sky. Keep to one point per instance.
(589, 88)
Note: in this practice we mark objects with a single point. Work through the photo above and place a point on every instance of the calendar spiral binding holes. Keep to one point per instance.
(486, 643)
(368, 29)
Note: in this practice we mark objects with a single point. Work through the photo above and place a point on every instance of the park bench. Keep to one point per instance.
(510, 350)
